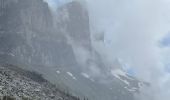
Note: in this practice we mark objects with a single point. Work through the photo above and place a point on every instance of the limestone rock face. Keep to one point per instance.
(28, 35)
(75, 19)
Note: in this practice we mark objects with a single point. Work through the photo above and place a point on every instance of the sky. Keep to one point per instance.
(138, 33)
(56, 3)
(165, 42)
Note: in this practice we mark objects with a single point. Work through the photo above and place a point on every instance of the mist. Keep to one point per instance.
(132, 31)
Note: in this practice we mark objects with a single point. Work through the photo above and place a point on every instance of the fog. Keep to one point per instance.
(132, 31)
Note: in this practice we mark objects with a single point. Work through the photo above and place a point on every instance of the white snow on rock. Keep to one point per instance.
(117, 73)
(133, 89)
(58, 72)
(70, 74)
(85, 75)
(125, 81)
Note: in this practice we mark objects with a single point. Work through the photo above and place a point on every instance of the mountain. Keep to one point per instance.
(58, 46)
(29, 36)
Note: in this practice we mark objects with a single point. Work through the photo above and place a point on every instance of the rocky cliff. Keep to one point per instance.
(28, 35)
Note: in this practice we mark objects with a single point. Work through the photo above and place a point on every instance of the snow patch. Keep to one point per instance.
(85, 75)
(58, 72)
(133, 89)
(125, 81)
(70, 74)
(117, 73)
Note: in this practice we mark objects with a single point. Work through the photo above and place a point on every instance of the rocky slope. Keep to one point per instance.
(16, 83)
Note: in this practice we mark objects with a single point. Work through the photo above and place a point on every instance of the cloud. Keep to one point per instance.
(165, 42)
(129, 26)
(132, 31)
(54, 4)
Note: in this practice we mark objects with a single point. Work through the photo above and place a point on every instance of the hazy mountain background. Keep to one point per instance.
(60, 46)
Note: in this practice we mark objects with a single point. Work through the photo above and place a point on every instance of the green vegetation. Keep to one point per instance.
(7, 98)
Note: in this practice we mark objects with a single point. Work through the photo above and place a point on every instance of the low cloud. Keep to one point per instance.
(132, 31)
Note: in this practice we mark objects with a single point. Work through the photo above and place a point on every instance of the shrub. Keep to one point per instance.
(8, 98)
